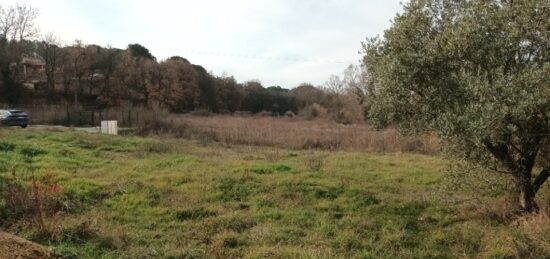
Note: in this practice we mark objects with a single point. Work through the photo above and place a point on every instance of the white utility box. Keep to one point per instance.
(109, 127)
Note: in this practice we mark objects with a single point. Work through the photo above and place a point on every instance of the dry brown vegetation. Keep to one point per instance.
(537, 228)
(293, 133)
(15, 247)
(519, 235)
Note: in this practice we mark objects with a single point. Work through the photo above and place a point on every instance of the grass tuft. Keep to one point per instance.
(7, 147)
(194, 214)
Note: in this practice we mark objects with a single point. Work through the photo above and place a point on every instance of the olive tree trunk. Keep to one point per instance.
(528, 189)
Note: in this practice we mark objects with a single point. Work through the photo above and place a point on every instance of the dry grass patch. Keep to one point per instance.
(293, 133)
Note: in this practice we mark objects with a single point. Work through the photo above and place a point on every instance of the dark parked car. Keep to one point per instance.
(14, 118)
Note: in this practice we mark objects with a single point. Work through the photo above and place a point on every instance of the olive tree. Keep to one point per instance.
(476, 72)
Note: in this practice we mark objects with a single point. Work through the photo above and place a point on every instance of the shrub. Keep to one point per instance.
(314, 111)
(290, 114)
(348, 117)
(41, 197)
(349, 112)
(414, 145)
(6, 147)
(265, 114)
(314, 163)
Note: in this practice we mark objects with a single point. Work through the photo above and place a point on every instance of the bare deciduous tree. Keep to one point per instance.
(17, 22)
(7, 21)
(24, 22)
(334, 85)
(355, 82)
(49, 50)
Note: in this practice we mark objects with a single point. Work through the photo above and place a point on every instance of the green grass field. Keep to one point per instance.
(129, 197)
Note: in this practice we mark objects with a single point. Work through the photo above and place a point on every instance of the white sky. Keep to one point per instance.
(279, 42)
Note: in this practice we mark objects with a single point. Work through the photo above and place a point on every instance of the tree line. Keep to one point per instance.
(39, 69)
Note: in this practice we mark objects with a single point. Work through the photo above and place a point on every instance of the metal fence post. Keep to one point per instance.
(68, 119)
(129, 118)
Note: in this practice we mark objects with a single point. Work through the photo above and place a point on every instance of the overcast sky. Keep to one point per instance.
(279, 42)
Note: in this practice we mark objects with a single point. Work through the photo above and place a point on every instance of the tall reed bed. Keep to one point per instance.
(293, 133)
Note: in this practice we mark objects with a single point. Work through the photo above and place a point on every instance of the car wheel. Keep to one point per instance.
(24, 126)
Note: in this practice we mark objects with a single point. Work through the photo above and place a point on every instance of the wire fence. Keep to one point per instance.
(79, 116)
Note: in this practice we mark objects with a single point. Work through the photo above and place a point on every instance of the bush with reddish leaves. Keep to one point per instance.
(40, 197)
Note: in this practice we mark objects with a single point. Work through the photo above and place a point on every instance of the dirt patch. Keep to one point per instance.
(15, 247)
